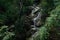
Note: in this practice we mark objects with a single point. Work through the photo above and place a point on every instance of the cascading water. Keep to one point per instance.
(37, 18)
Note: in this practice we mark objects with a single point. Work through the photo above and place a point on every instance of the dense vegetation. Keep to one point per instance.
(16, 21)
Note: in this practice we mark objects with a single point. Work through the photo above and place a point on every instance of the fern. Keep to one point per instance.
(4, 34)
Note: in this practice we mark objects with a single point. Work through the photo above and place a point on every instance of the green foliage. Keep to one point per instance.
(43, 34)
(4, 34)
(9, 10)
(27, 2)
(8, 36)
(56, 2)
(10, 13)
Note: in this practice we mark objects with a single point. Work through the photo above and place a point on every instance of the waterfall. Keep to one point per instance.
(37, 18)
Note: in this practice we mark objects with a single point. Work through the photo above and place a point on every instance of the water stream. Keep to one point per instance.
(36, 17)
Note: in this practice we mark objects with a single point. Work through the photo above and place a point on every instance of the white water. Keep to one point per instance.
(37, 18)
